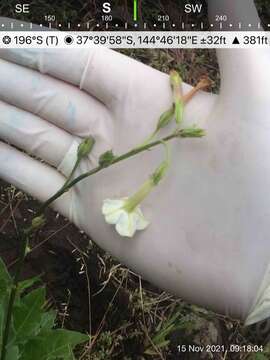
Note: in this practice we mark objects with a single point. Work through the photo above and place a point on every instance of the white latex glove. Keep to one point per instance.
(208, 238)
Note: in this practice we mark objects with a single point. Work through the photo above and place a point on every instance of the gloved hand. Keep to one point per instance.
(208, 238)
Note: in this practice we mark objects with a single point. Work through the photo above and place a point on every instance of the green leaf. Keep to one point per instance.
(259, 356)
(106, 159)
(2, 318)
(55, 344)
(13, 353)
(32, 335)
(24, 285)
(47, 320)
(3, 313)
(5, 286)
(5, 279)
(28, 315)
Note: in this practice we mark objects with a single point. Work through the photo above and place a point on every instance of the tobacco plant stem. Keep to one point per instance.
(129, 154)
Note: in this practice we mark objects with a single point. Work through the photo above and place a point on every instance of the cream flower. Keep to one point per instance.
(126, 222)
(125, 213)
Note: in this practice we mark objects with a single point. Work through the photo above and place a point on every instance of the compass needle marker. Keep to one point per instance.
(135, 10)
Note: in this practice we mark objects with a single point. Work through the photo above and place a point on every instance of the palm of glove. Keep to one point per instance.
(210, 215)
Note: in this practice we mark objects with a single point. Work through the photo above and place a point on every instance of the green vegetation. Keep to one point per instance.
(32, 334)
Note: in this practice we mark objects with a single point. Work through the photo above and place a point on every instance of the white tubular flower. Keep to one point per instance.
(125, 213)
(126, 222)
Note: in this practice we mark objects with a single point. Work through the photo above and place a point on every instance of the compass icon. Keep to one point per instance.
(6, 40)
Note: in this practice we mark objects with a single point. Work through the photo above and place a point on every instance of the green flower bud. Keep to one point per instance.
(85, 147)
(192, 133)
(179, 109)
(27, 250)
(38, 222)
(175, 79)
(176, 83)
(106, 159)
(160, 172)
(165, 118)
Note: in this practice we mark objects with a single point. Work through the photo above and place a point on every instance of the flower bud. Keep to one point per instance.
(179, 109)
(106, 159)
(27, 250)
(175, 78)
(192, 133)
(85, 147)
(176, 83)
(38, 222)
(165, 118)
(160, 172)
